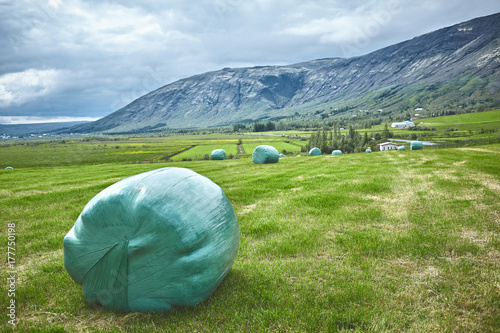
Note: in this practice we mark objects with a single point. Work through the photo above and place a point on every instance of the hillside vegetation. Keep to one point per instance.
(388, 241)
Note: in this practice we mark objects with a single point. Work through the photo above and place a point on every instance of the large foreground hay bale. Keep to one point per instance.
(153, 240)
(265, 154)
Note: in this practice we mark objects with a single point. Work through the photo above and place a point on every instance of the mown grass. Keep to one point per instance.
(388, 241)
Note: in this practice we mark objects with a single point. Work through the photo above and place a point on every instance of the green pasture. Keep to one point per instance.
(468, 121)
(287, 133)
(46, 153)
(22, 154)
(249, 143)
(199, 151)
(468, 126)
(279, 145)
(396, 241)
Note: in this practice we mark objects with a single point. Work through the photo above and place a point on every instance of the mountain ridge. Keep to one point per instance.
(464, 57)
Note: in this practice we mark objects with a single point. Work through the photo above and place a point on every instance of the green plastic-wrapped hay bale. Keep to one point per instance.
(368, 150)
(282, 155)
(337, 152)
(161, 238)
(218, 154)
(400, 148)
(314, 152)
(416, 145)
(265, 154)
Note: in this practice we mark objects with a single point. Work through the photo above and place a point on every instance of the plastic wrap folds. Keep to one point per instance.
(153, 240)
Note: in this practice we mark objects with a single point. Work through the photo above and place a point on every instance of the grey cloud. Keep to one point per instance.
(109, 53)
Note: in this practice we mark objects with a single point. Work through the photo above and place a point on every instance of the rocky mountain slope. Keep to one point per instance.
(440, 69)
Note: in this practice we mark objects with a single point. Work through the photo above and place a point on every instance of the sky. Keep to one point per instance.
(67, 60)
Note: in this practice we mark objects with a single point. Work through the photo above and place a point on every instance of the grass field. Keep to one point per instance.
(468, 125)
(45, 153)
(200, 151)
(279, 145)
(468, 121)
(390, 241)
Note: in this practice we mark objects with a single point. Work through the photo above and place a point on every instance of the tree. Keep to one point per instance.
(481, 108)
(365, 139)
(270, 126)
(386, 133)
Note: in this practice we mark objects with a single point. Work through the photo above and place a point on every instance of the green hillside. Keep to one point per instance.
(467, 121)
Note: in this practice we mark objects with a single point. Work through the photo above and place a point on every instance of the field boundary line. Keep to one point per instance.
(169, 156)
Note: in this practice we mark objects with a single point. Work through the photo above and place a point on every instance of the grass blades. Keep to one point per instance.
(389, 241)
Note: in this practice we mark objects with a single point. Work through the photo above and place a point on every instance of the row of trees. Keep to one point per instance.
(255, 127)
(351, 142)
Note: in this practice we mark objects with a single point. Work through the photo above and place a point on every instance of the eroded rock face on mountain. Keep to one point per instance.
(451, 63)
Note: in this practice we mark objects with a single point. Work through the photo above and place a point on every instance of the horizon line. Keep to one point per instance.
(27, 120)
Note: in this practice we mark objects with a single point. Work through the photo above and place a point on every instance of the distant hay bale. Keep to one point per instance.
(9, 168)
(337, 152)
(368, 150)
(218, 154)
(416, 145)
(401, 148)
(314, 152)
(282, 155)
(157, 239)
(265, 154)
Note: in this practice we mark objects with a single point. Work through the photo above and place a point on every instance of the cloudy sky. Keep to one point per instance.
(64, 60)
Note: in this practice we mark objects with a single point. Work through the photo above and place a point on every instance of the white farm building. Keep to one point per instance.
(387, 146)
(404, 124)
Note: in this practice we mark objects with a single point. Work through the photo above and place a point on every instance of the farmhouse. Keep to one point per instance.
(387, 146)
(404, 124)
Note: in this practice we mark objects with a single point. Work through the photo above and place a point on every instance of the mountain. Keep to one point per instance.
(439, 70)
